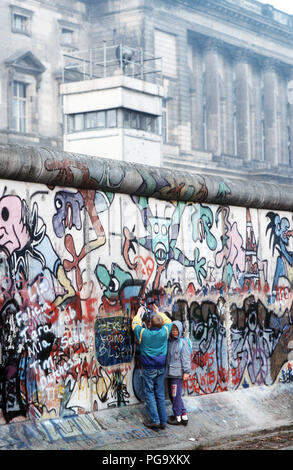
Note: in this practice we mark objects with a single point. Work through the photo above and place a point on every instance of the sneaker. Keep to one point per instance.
(162, 426)
(176, 420)
(150, 424)
(184, 419)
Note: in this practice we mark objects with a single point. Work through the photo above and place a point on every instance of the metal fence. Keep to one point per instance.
(107, 61)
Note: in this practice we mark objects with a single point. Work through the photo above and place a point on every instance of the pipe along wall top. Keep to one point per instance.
(58, 168)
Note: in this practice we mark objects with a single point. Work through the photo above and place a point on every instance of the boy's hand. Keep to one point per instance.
(156, 309)
(141, 311)
(185, 377)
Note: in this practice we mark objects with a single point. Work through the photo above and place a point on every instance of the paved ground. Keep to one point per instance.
(276, 439)
(226, 420)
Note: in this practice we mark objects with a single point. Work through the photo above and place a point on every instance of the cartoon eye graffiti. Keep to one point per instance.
(114, 285)
(5, 214)
(164, 230)
(252, 321)
(58, 203)
(156, 228)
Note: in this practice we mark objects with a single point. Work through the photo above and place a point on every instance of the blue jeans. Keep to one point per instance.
(154, 394)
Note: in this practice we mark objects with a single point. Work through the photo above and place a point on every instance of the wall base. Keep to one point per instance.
(211, 417)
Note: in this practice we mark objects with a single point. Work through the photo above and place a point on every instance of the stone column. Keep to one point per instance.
(184, 105)
(290, 112)
(212, 97)
(242, 84)
(282, 118)
(228, 143)
(196, 94)
(270, 111)
(256, 112)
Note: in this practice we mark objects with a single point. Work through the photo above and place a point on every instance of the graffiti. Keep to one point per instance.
(279, 239)
(68, 207)
(204, 324)
(120, 291)
(113, 341)
(11, 403)
(287, 374)
(75, 265)
(232, 254)
(209, 348)
(259, 342)
(240, 262)
(223, 191)
(68, 216)
(161, 239)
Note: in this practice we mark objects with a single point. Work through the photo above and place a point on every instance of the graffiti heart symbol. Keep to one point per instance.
(144, 267)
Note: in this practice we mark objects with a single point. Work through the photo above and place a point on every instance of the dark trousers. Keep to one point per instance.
(175, 394)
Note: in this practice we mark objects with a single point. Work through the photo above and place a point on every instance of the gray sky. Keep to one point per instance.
(283, 5)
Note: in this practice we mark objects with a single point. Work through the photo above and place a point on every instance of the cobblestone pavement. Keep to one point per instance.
(274, 439)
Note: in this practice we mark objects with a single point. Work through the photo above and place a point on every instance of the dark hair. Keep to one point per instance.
(156, 321)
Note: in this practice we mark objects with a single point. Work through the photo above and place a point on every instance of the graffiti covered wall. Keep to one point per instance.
(74, 265)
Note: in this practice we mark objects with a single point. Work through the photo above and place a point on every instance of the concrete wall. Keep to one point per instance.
(81, 246)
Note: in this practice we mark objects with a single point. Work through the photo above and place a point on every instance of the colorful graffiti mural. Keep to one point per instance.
(74, 265)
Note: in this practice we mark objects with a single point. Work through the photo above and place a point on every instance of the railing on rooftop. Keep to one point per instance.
(107, 61)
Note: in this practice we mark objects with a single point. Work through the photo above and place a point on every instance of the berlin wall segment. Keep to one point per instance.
(77, 253)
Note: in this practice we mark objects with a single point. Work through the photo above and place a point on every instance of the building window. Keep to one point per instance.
(134, 120)
(126, 119)
(67, 36)
(68, 33)
(20, 23)
(92, 120)
(70, 123)
(21, 20)
(79, 120)
(111, 118)
(140, 121)
(19, 107)
(101, 119)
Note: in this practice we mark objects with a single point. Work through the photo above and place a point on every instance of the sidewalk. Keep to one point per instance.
(212, 419)
(280, 438)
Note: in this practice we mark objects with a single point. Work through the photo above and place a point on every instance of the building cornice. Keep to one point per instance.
(240, 16)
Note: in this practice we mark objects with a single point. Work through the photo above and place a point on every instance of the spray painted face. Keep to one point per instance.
(13, 233)
(68, 207)
(160, 238)
(281, 228)
(112, 281)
